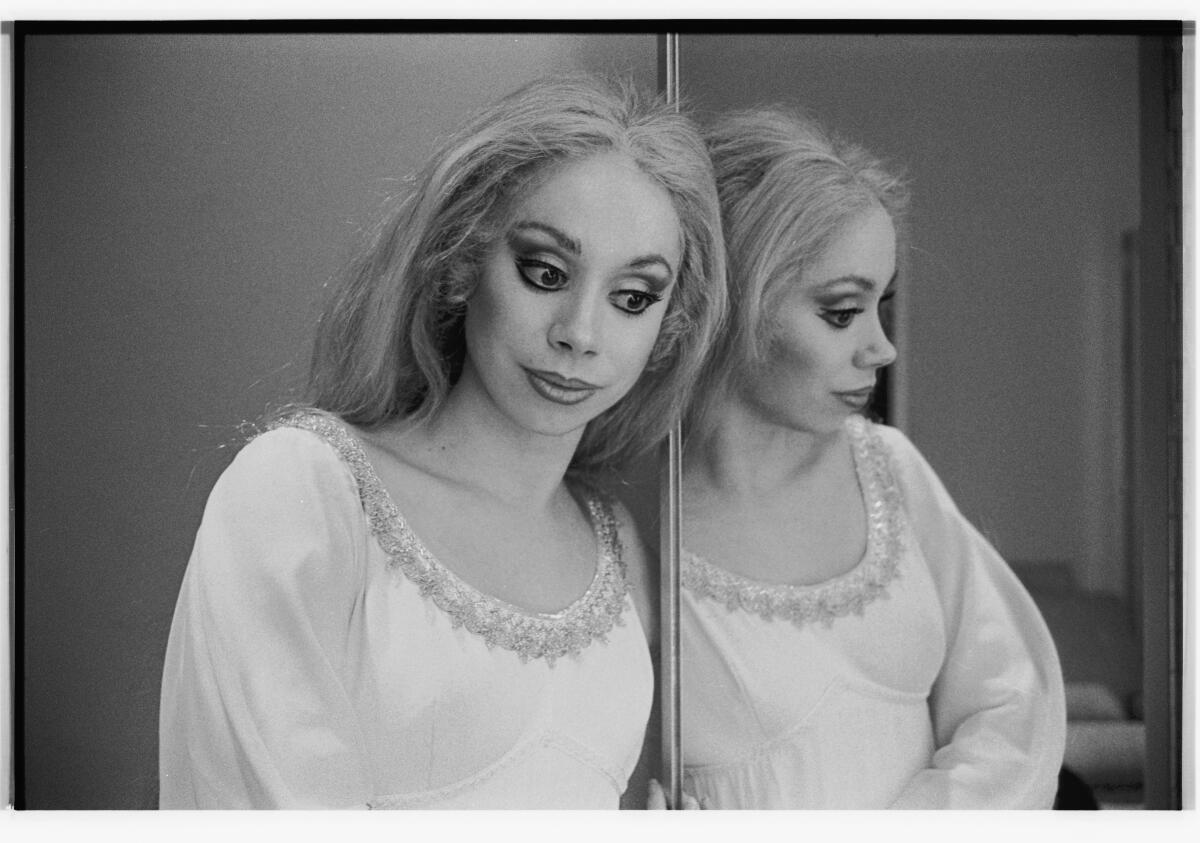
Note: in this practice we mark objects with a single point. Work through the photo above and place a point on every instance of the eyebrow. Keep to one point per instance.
(570, 244)
(650, 260)
(563, 239)
(863, 283)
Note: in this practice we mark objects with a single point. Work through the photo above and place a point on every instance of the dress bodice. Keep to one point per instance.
(391, 683)
(830, 695)
(775, 676)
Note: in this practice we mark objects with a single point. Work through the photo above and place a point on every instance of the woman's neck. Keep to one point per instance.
(747, 455)
(468, 442)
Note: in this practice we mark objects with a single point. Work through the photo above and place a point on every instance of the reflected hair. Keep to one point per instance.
(391, 342)
(787, 187)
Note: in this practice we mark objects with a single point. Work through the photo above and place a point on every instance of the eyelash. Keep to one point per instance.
(636, 301)
(842, 317)
(525, 265)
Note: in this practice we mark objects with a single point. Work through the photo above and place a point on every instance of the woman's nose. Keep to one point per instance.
(877, 351)
(575, 326)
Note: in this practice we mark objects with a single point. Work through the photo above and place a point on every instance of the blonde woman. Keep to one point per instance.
(408, 594)
(849, 639)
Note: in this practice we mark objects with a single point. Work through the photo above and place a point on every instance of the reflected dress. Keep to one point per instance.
(922, 678)
(320, 656)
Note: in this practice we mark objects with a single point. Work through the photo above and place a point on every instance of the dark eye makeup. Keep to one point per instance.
(634, 302)
(843, 317)
(538, 267)
(546, 277)
(541, 275)
(840, 317)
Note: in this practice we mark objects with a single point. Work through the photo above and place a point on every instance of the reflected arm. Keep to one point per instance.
(998, 708)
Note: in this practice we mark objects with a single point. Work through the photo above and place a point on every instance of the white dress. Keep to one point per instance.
(321, 657)
(922, 678)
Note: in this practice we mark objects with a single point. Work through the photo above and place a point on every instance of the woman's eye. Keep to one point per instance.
(840, 317)
(542, 275)
(634, 301)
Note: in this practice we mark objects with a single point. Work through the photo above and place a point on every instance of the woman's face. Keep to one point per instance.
(826, 340)
(572, 294)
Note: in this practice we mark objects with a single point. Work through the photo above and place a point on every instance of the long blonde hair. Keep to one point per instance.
(391, 342)
(786, 186)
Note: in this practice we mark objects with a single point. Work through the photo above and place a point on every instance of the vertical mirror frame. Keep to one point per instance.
(670, 526)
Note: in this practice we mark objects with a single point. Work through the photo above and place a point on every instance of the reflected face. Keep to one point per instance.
(572, 294)
(827, 343)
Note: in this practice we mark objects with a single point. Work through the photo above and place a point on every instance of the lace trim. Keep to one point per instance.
(845, 594)
(531, 635)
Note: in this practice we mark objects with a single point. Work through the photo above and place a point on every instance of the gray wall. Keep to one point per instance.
(186, 197)
(1023, 152)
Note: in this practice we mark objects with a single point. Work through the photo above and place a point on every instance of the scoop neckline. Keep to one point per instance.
(468, 605)
(866, 580)
(400, 526)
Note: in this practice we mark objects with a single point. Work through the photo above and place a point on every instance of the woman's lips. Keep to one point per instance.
(561, 390)
(857, 398)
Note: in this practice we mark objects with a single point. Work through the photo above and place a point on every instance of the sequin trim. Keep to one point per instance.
(531, 635)
(845, 594)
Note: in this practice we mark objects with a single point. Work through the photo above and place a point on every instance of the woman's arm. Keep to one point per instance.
(254, 710)
(998, 706)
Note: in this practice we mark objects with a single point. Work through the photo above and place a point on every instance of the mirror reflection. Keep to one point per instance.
(872, 609)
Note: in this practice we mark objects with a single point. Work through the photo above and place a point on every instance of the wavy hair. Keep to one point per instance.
(787, 186)
(391, 342)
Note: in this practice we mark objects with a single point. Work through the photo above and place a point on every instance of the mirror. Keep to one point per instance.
(1026, 323)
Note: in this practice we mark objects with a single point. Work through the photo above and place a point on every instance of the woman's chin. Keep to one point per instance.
(555, 422)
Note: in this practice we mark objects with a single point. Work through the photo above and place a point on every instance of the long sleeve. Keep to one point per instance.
(254, 711)
(998, 708)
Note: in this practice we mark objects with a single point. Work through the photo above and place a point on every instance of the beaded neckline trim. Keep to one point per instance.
(844, 594)
(531, 635)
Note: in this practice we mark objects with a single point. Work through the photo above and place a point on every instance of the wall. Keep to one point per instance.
(1023, 152)
(186, 197)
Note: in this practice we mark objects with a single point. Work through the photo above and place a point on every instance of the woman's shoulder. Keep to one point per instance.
(608, 518)
(891, 450)
(625, 546)
(304, 428)
(894, 458)
(300, 449)
(881, 437)
(286, 509)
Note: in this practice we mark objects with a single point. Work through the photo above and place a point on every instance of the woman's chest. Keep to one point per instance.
(803, 534)
(781, 544)
(441, 696)
(754, 676)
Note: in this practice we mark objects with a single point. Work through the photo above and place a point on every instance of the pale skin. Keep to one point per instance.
(773, 495)
(576, 286)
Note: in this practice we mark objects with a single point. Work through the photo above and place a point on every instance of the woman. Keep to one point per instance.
(409, 595)
(849, 639)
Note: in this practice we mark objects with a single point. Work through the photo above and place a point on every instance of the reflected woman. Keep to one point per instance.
(849, 639)
(409, 594)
